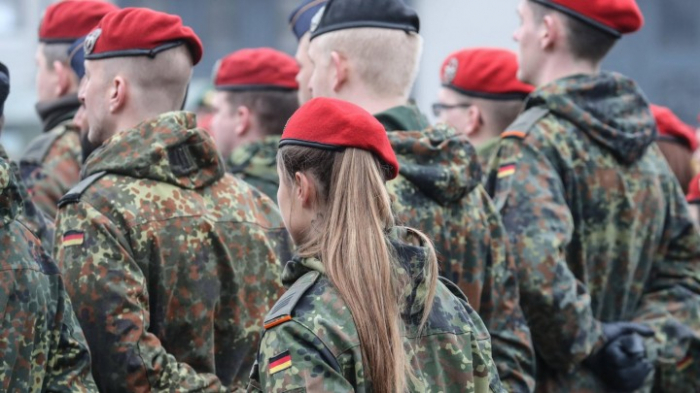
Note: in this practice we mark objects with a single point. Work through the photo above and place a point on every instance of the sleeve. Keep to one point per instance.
(500, 310)
(69, 366)
(671, 300)
(110, 297)
(531, 198)
(292, 359)
(58, 173)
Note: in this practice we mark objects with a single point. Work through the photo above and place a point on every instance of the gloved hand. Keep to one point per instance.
(622, 362)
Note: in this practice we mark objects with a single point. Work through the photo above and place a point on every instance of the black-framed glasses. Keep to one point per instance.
(439, 107)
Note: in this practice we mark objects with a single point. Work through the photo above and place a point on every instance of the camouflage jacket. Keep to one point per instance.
(256, 163)
(439, 192)
(600, 230)
(51, 164)
(486, 151)
(32, 216)
(317, 349)
(170, 262)
(42, 345)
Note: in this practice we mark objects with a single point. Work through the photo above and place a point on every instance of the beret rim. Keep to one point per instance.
(60, 40)
(579, 17)
(152, 53)
(505, 96)
(363, 23)
(254, 87)
(317, 145)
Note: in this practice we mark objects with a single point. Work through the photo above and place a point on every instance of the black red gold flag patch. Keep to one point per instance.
(73, 238)
(280, 362)
(506, 170)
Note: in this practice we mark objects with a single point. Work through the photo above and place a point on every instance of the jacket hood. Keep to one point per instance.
(168, 149)
(608, 107)
(10, 199)
(257, 159)
(411, 254)
(438, 161)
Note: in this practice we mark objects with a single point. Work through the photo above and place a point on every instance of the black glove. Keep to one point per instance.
(622, 362)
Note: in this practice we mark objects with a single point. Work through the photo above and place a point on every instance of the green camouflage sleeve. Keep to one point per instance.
(69, 367)
(530, 196)
(292, 359)
(111, 299)
(671, 300)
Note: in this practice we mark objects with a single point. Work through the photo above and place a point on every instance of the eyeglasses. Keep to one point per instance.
(439, 107)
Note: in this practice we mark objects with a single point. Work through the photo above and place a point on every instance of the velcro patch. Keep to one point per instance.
(280, 362)
(73, 238)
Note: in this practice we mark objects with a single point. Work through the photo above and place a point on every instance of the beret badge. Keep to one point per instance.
(90, 41)
(316, 20)
(450, 71)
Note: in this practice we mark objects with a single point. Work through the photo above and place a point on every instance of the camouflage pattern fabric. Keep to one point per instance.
(318, 350)
(439, 192)
(42, 347)
(170, 262)
(50, 176)
(600, 230)
(256, 164)
(32, 216)
(486, 151)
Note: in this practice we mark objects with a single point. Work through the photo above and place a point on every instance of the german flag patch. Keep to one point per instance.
(685, 363)
(506, 170)
(73, 238)
(280, 362)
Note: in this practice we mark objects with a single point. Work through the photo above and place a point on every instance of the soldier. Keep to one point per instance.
(256, 93)
(607, 253)
(300, 22)
(677, 142)
(43, 348)
(76, 58)
(32, 216)
(171, 263)
(367, 52)
(362, 288)
(51, 164)
(693, 198)
(480, 96)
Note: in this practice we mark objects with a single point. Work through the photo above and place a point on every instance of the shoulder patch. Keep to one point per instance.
(282, 311)
(39, 147)
(524, 123)
(74, 194)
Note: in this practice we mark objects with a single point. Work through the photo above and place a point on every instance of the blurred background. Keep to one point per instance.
(664, 58)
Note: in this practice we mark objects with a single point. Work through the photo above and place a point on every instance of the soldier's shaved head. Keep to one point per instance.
(386, 61)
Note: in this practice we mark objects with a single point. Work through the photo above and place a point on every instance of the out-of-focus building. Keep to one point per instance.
(664, 57)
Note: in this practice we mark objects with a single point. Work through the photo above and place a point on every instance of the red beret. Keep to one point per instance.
(485, 73)
(331, 124)
(670, 125)
(616, 17)
(68, 20)
(140, 32)
(256, 69)
(694, 190)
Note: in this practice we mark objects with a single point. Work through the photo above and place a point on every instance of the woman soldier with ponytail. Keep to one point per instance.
(364, 310)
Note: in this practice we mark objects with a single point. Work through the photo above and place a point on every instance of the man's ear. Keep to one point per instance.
(118, 94)
(340, 70)
(244, 118)
(474, 120)
(305, 190)
(65, 77)
(551, 30)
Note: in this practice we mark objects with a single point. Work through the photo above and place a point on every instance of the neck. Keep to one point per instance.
(562, 67)
(372, 103)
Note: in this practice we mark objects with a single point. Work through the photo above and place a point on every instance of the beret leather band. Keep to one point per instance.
(254, 88)
(363, 23)
(579, 17)
(135, 52)
(488, 96)
(316, 145)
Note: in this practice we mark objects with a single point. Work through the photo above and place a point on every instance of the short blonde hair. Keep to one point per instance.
(386, 60)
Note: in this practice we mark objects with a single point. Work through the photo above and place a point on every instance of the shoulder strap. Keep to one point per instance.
(39, 147)
(524, 123)
(282, 311)
(73, 195)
